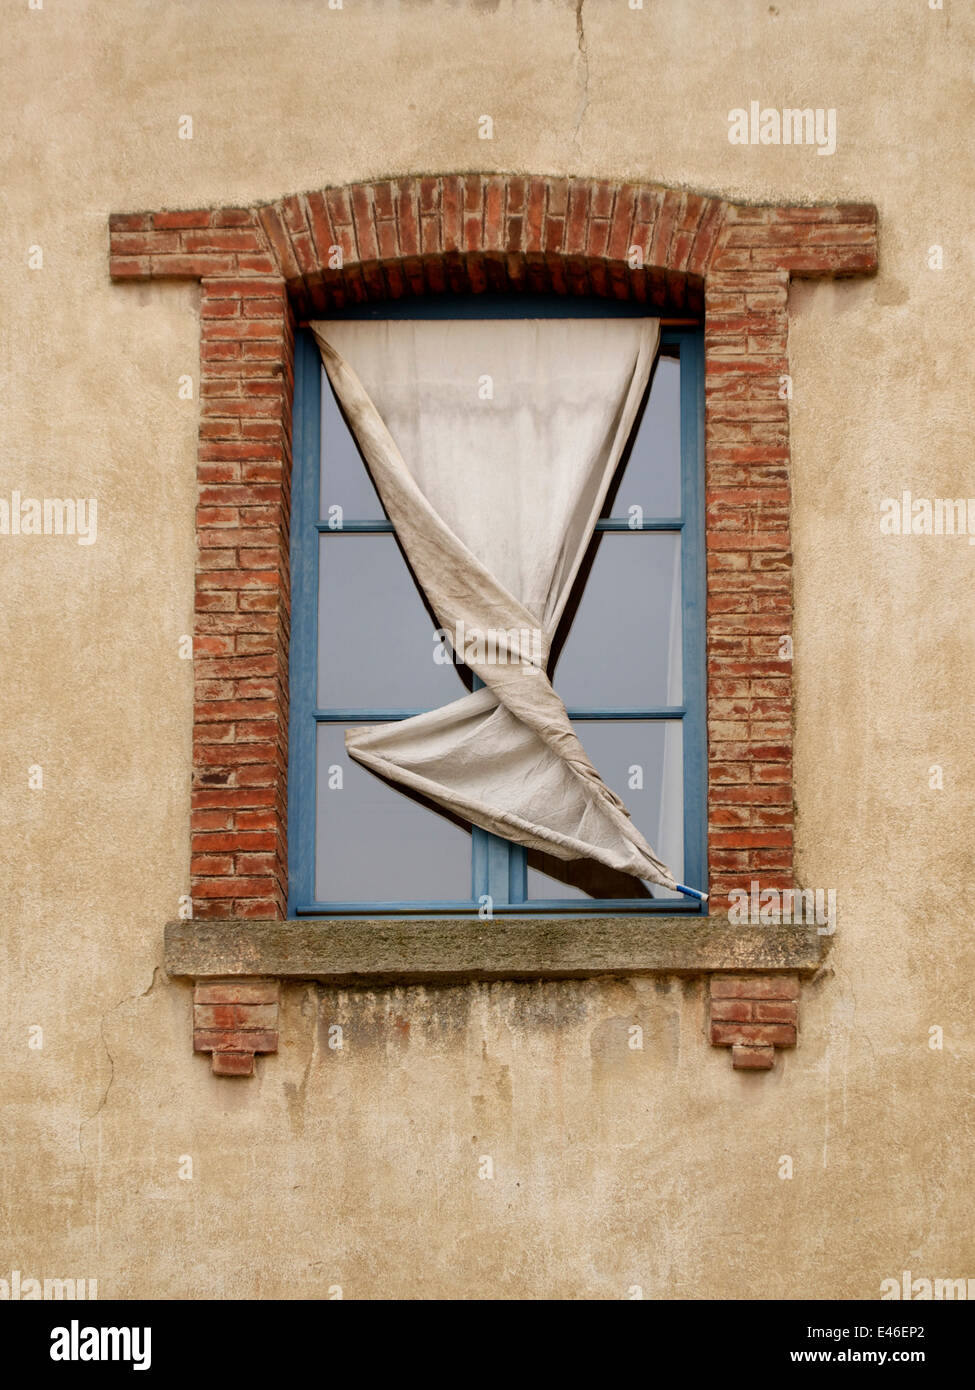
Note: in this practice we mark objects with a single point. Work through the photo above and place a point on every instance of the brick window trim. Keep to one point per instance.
(264, 269)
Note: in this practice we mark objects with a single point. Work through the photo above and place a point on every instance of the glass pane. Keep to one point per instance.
(375, 843)
(345, 481)
(642, 762)
(376, 647)
(649, 477)
(620, 640)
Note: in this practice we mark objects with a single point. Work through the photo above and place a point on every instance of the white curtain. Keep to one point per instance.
(492, 444)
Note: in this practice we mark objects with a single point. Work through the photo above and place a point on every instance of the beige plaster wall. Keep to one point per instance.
(359, 1168)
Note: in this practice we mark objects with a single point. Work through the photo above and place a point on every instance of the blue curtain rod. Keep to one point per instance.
(692, 893)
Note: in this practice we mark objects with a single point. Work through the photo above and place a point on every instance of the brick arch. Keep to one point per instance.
(470, 233)
(264, 268)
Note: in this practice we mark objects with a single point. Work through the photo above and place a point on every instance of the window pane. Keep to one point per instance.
(345, 481)
(649, 755)
(621, 646)
(375, 843)
(650, 476)
(375, 634)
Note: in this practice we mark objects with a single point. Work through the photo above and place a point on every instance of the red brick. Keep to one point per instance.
(144, 243)
(220, 1040)
(365, 232)
(178, 220)
(238, 1017)
(130, 268)
(234, 217)
(754, 986)
(209, 843)
(776, 1034)
(229, 887)
(263, 863)
(260, 909)
(746, 1057)
(621, 227)
(494, 214)
(229, 239)
(534, 215)
(256, 820)
(211, 820)
(192, 267)
(408, 227)
(578, 218)
(770, 1012)
(747, 839)
(129, 222)
(236, 992)
(259, 265)
(277, 234)
(732, 1010)
(233, 1063)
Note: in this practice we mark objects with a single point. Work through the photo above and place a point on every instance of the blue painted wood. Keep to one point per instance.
(303, 657)
(389, 716)
(606, 523)
(561, 907)
(621, 523)
(498, 861)
(480, 867)
(497, 867)
(517, 875)
(491, 856)
(694, 603)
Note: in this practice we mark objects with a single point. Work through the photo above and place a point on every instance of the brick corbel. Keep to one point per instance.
(233, 1020)
(753, 1015)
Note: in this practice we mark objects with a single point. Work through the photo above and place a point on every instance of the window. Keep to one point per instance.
(365, 650)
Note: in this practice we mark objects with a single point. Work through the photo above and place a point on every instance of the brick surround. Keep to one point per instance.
(263, 269)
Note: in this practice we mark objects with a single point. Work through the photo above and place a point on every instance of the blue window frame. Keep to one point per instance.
(513, 879)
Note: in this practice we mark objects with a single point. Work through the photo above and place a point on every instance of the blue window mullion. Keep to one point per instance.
(491, 857)
(517, 873)
(480, 871)
(606, 523)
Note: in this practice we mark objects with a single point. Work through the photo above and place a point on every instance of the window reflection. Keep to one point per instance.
(345, 480)
(375, 631)
(620, 640)
(642, 761)
(378, 843)
(649, 475)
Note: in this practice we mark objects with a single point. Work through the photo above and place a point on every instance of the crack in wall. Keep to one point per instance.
(583, 46)
(129, 999)
(87, 1119)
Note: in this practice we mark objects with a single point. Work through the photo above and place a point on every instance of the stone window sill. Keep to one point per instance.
(364, 951)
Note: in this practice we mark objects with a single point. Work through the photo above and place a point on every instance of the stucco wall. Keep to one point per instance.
(359, 1167)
